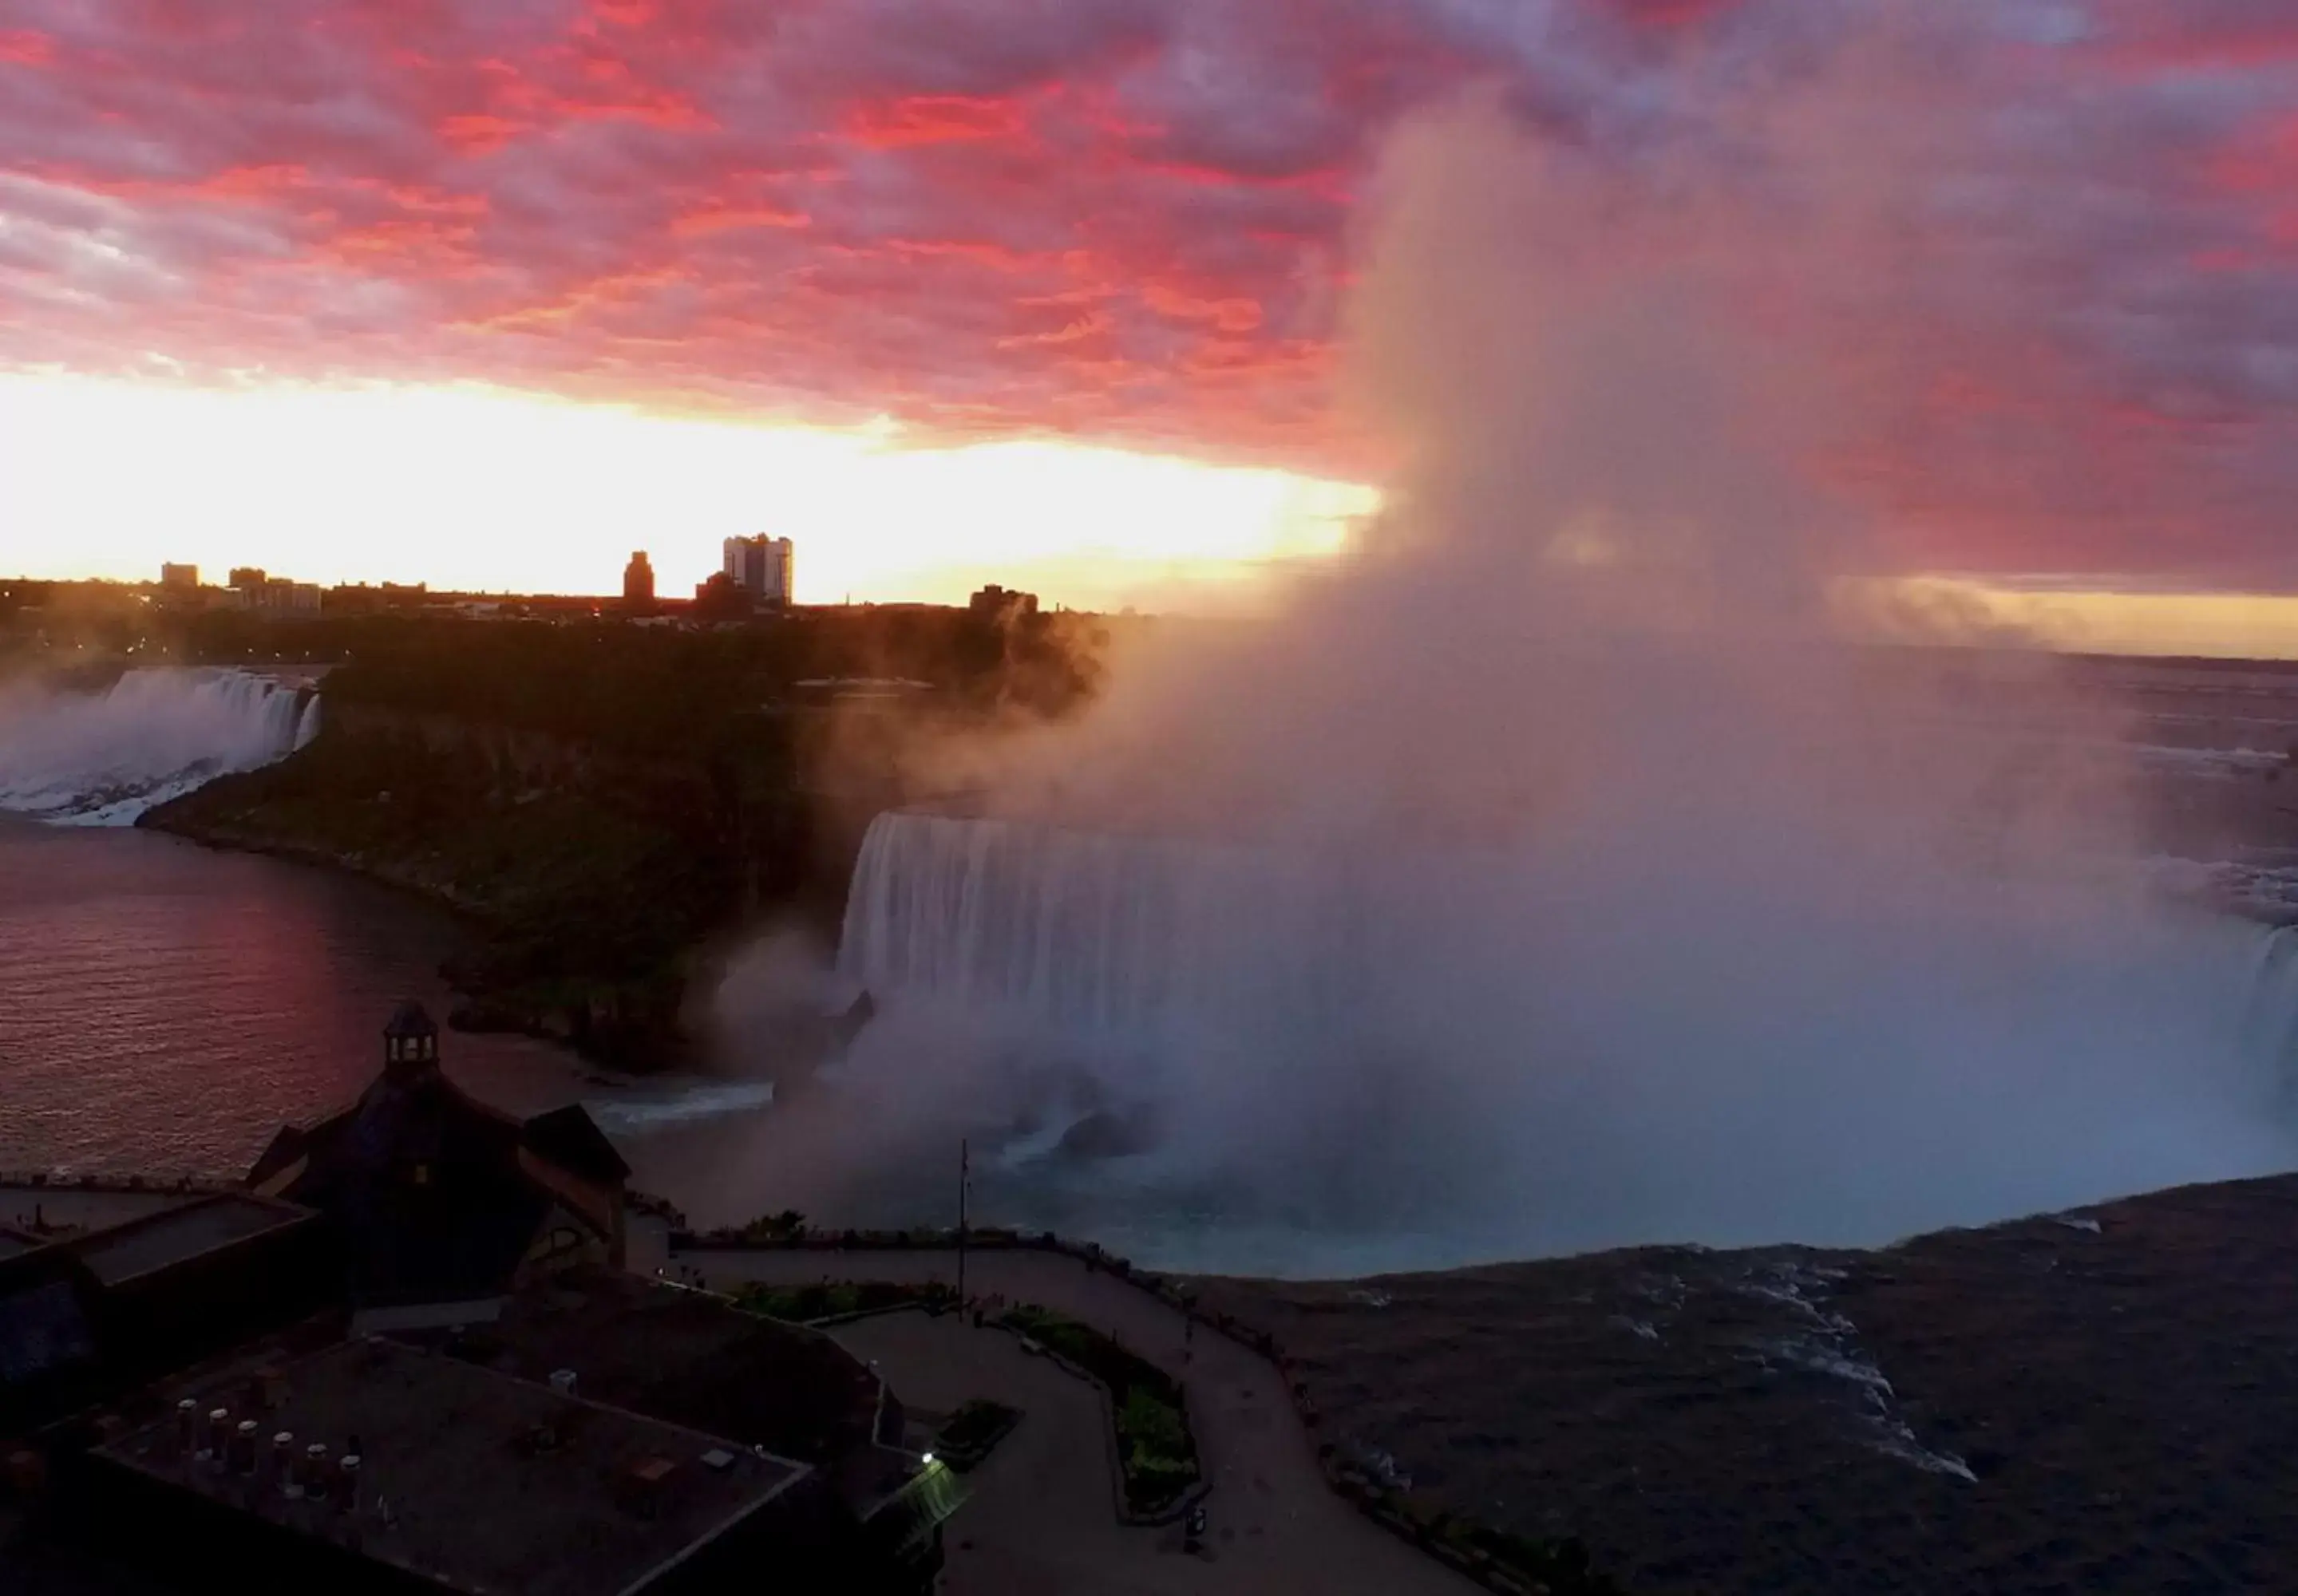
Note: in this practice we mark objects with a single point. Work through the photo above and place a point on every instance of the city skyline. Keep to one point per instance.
(526, 495)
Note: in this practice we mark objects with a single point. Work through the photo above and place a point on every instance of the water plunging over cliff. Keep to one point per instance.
(104, 758)
(1124, 940)
(1510, 1053)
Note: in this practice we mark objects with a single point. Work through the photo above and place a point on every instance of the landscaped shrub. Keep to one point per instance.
(835, 1299)
(968, 1435)
(1560, 1566)
(1158, 1455)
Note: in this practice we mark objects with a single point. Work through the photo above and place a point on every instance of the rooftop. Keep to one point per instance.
(686, 1359)
(491, 1483)
(141, 1247)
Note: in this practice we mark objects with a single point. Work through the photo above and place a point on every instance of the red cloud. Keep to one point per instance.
(1133, 218)
(1229, 315)
(934, 118)
(2265, 163)
(477, 132)
(22, 47)
(720, 219)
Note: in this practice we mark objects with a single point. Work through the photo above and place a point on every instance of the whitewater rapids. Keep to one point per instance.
(104, 758)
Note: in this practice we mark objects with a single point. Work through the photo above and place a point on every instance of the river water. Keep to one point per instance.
(166, 1007)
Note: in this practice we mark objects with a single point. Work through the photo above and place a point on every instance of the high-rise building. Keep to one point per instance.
(637, 583)
(179, 579)
(762, 567)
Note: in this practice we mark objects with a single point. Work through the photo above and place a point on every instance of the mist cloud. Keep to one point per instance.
(1555, 872)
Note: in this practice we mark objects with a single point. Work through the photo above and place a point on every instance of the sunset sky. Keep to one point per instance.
(492, 292)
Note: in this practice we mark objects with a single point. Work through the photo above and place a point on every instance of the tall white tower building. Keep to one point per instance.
(762, 567)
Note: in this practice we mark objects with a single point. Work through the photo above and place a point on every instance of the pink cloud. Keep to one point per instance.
(935, 118)
(22, 47)
(1133, 220)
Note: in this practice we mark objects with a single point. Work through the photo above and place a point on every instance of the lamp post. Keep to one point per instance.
(963, 1170)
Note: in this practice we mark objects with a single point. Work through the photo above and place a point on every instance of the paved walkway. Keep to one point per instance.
(1039, 1517)
(1274, 1524)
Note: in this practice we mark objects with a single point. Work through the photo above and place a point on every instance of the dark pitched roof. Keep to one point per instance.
(571, 1139)
(287, 1145)
(423, 1182)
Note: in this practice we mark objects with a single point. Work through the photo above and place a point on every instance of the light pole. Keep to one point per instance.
(963, 1170)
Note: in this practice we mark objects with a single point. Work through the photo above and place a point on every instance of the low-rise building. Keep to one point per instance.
(100, 1311)
(445, 1301)
(993, 602)
(253, 589)
(371, 1466)
(440, 1203)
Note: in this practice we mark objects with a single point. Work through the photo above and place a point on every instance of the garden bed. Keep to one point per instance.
(1156, 1453)
(830, 1302)
(967, 1437)
(1558, 1566)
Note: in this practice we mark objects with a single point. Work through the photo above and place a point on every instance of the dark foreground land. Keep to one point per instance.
(2100, 1401)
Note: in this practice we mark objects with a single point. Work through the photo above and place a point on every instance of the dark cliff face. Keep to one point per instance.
(589, 877)
(604, 802)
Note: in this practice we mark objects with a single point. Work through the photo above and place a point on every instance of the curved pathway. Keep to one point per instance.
(1274, 1524)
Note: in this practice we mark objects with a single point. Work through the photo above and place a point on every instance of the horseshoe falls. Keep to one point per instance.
(1478, 1054)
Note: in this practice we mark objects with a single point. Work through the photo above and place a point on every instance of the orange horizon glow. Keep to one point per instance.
(525, 493)
(484, 489)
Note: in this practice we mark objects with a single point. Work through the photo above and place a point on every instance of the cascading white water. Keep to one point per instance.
(2271, 1015)
(1116, 940)
(104, 758)
(1132, 940)
(1505, 1054)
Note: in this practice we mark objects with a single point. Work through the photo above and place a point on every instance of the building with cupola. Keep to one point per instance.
(440, 1205)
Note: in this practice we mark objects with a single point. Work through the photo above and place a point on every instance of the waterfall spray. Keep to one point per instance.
(1549, 872)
